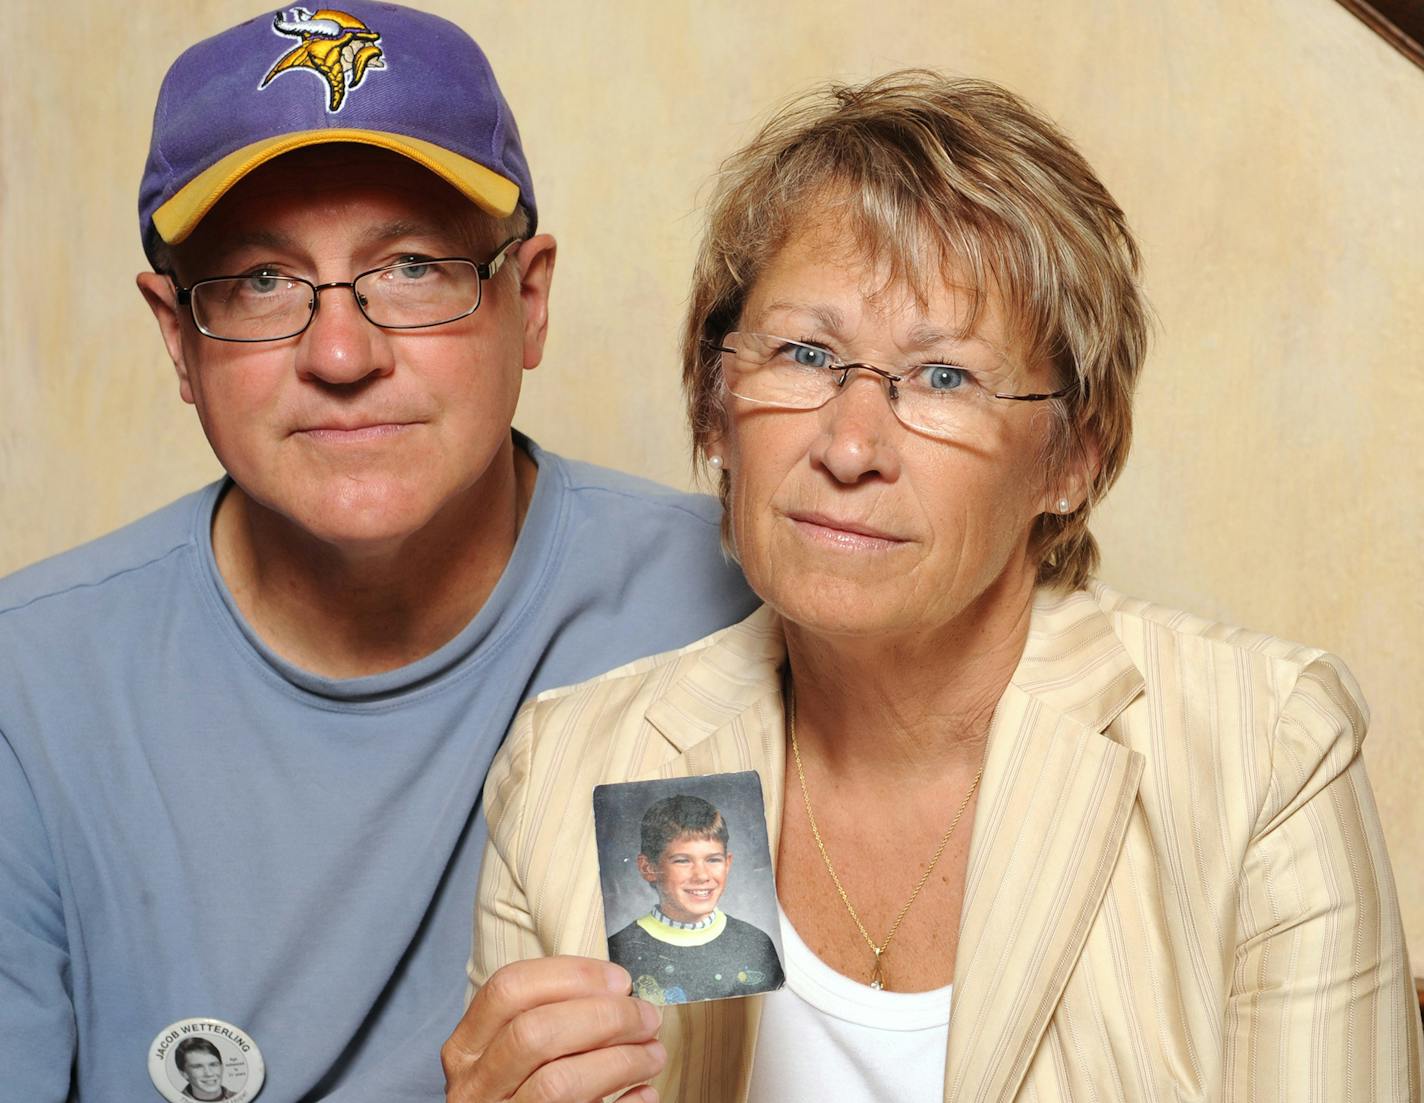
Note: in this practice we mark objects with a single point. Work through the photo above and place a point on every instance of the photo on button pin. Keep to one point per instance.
(205, 1059)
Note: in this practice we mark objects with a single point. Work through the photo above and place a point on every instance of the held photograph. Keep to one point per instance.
(689, 895)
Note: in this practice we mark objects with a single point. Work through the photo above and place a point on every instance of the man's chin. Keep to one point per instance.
(356, 518)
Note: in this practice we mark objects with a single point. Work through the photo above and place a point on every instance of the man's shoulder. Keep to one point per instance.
(94, 567)
(625, 568)
(603, 487)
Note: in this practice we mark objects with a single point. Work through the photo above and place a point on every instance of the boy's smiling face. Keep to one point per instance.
(689, 876)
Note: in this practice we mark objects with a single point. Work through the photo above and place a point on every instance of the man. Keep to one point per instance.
(242, 741)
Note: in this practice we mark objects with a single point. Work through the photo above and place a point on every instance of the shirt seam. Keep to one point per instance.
(96, 583)
(675, 506)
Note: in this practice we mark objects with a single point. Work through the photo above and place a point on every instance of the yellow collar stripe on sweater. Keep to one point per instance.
(674, 936)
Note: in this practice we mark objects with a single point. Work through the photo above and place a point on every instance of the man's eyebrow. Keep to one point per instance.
(398, 228)
(262, 238)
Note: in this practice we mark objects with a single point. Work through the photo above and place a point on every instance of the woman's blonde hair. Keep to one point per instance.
(937, 178)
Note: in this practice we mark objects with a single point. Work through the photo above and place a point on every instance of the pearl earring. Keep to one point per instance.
(1064, 505)
(714, 461)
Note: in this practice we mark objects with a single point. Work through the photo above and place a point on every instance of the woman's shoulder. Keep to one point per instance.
(1170, 645)
(1222, 638)
(740, 650)
(1280, 718)
(612, 723)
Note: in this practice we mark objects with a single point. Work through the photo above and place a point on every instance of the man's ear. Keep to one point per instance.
(536, 274)
(645, 867)
(162, 298)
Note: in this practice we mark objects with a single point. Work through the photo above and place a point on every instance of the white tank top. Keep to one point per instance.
(824, 1037)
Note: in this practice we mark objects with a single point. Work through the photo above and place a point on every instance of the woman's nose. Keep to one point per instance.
(859, 430)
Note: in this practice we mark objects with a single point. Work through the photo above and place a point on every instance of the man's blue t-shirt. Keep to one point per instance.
(191, 826)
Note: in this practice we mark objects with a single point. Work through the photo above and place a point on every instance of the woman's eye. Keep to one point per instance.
(942, 377)
(808, 356)
(414, 270)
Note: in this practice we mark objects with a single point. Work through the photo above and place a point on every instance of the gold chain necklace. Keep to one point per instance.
(877, 976)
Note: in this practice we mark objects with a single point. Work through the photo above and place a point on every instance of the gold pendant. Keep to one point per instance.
(877, 978)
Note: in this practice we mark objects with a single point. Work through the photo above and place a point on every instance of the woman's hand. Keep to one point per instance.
(554, 1030)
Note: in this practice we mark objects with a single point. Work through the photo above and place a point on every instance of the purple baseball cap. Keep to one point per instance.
(373, 73)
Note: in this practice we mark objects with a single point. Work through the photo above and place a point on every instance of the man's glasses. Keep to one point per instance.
(939, 400)
(270, 306)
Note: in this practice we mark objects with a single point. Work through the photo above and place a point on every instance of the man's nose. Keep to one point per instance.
(341, 346)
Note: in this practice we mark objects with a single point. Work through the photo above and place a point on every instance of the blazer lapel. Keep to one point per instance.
(1054, 804)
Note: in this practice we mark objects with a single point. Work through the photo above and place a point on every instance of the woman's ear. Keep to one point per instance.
(1074, 483)
(714, 451)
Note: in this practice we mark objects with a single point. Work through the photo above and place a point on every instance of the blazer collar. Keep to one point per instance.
(1073, 663)
(720, 679)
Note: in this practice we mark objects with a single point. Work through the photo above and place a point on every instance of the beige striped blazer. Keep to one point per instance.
(1177, 886)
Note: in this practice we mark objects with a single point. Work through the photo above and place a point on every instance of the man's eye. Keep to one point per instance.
(941, 377)
(413, 268)
(262, 283)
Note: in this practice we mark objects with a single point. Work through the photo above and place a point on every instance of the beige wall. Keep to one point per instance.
(1269, 154)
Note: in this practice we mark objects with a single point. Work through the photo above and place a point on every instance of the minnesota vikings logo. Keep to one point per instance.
(337, 46)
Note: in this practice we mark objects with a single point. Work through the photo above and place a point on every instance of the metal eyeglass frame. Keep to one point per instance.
(846, 367)
(483, 272)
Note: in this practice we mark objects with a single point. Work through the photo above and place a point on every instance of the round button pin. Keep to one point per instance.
(202, 1059)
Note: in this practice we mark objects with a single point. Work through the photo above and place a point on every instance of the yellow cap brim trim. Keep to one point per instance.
(180, 215)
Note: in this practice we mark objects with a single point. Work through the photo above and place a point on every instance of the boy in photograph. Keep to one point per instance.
(201, 1065)
(686, 948)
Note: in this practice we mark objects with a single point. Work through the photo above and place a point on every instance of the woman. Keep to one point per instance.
(1135, 852)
